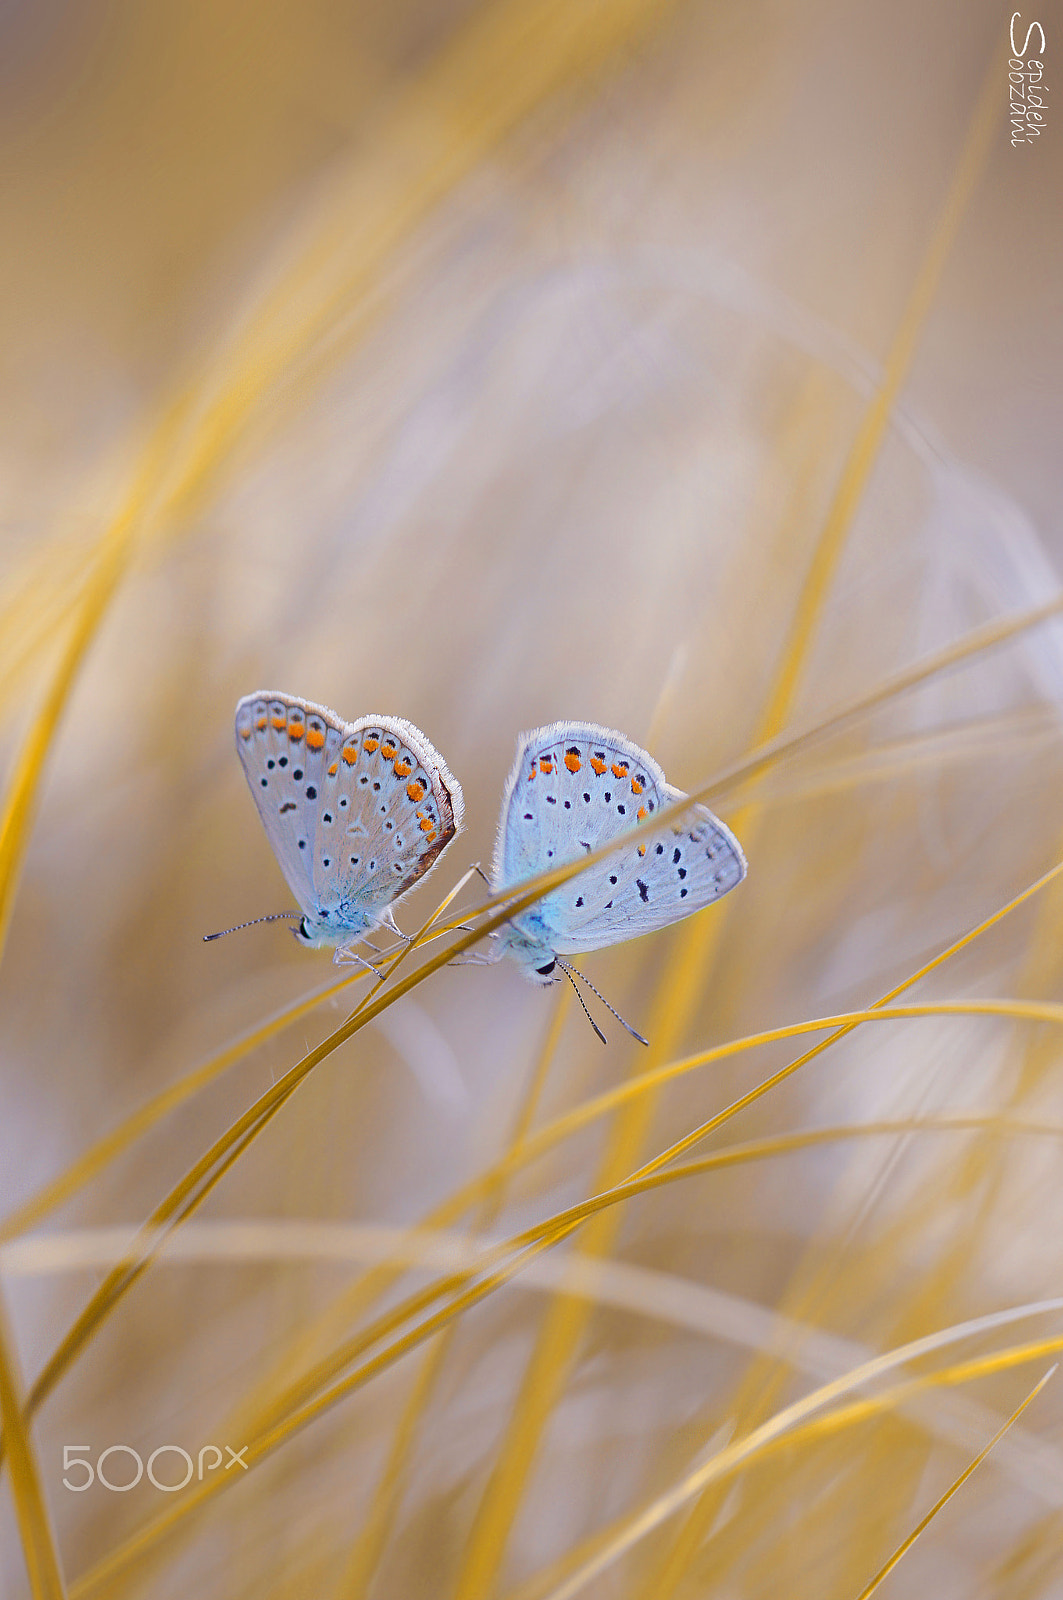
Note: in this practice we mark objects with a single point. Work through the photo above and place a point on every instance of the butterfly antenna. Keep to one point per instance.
(574, 973)
(274, 916)
(583, 1003)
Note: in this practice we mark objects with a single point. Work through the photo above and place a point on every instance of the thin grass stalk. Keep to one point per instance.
(548, 1370)
(792, 1425)
(31, 1510)
(360, 1571)
(664, 1582)
(581, 1116)
(305, 1406)
(992, 636)
(521, 1248)
(569, 41)
(943, 1500)
(555, 1582)
(726, 1462)
(197, 1183)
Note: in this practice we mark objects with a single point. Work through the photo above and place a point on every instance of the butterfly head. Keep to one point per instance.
(536, 960)
(327, 930)
(313, 938)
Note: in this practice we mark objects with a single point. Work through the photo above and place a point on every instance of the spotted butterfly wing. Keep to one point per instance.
(356, 812)
(574, 787)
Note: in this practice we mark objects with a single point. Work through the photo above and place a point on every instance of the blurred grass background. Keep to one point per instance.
(686, 368)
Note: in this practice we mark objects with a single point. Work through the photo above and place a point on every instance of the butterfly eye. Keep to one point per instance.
(544, 972)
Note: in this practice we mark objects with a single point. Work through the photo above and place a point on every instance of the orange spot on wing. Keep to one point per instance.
(572, 762)
(642, 849)
(245, 733)
(403, 769)
(350, 754)
(389, 749)
(295, 730)
(532, 773)
(315, 739)
(599, 766)
(545, 765)
(262, 724)
(280, 723)
(427, 826)
(415, 791)
(636, 786)
(642, 813)
(332, 771)
(619, 769)
(370, 744)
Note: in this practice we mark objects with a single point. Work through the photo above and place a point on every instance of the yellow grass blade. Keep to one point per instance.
(783, 1428)
(324, 1370)
(552, 1232)
(537, 387)
(111, 558)
(480, 89)
(100, 1155)
(186, 1197)
(31, 1511)
(548, 1370)
(973, 156)
(191, 1192)
(108, 1148)
(365, 1556)
(555, 1583)
(943, 1500)
(780, 1428)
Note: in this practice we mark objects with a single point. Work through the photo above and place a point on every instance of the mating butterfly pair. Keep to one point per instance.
(358, 812)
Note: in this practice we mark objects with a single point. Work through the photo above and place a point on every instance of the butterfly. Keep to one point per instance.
(575, 786)
(356, 812)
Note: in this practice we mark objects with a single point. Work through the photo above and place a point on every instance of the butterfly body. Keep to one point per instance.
(356, 812)
(574, 787)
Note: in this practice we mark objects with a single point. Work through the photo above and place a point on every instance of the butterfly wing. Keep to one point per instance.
(356, 812)
(272, 763)
(677, 870)
(574, 787)
(404, 808)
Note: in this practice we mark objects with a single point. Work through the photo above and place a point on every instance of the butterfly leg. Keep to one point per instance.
(481, 958)
(347, 955)
(386, 919)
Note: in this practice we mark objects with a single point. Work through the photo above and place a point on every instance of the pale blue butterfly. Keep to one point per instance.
(573, 787)
(356, 812)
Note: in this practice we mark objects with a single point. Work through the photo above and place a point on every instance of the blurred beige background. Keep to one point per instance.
(517, 355)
